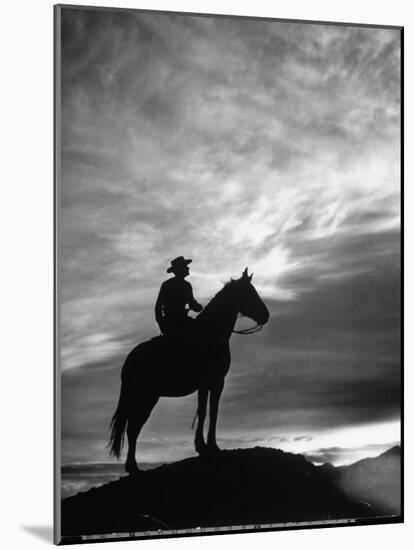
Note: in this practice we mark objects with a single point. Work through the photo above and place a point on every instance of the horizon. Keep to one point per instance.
(83, 476)
(146, 465)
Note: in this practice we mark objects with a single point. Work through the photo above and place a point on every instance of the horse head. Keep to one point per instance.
(248, 301)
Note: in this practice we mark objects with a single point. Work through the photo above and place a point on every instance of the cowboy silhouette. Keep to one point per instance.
(174, 296)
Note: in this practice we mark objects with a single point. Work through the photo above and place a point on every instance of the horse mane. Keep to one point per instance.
(216, 301)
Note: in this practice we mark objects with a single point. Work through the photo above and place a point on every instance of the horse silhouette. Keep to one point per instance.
(156, 368)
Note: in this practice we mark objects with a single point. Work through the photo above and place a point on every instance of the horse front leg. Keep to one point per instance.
(215, 393)
(199, 442)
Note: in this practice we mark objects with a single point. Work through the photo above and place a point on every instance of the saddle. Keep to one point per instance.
(170, 348)
(175, 357)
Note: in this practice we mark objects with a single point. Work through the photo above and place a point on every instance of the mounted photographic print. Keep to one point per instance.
(228, 274)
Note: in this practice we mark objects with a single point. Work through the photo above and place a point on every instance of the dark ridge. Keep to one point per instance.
(394, 451)
(235, 487)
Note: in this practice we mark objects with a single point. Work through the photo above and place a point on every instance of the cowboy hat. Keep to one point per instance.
(178, 263)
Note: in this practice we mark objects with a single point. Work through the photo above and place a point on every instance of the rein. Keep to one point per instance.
(250, 330)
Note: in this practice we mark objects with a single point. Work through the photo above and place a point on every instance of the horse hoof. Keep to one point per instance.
(200, 448)
(213, 449)
(132, 469)
(135, 473)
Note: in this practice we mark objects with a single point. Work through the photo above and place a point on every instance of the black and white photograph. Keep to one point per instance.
(228, 200)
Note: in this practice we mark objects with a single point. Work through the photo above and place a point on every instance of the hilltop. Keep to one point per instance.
(235, 487)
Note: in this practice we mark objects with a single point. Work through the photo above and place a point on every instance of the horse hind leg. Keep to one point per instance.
(136, 420)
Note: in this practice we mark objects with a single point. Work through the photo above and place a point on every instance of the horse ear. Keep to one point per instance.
(245, 275)
(251, 277)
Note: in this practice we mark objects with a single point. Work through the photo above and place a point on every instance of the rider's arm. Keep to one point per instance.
(159, 309)
(192, 302)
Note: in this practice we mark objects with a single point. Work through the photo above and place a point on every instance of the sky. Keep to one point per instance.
(236, 143)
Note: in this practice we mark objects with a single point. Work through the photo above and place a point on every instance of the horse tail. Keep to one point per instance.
(118, 423)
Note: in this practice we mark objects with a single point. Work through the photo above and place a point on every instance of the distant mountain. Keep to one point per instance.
(237, 487)
(376, 481)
